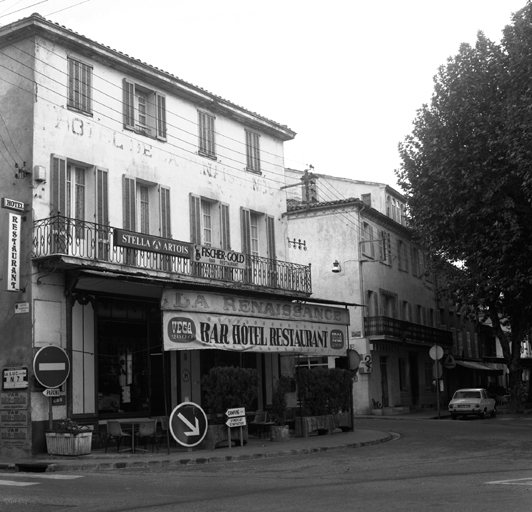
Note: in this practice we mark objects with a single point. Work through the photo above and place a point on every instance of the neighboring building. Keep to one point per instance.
(361, 250)
(145, 224)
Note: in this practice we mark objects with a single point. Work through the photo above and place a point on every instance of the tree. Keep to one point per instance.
(466, 172)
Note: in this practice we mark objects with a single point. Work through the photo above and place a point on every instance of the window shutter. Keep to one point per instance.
(164, 202)
(246, 227)
(58, 186)
(161, 116)
(195, 219)
(224, 227)
(129, 104)
(129, 204)
(270, 233)
(102, 197)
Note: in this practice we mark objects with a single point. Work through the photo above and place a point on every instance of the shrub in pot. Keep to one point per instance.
(279, 410)
(69, 438)
(227, 387)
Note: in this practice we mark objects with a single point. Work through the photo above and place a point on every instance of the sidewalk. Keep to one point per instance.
(256, 448)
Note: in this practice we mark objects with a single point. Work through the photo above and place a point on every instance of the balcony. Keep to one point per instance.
(74, 243)
(407, 332)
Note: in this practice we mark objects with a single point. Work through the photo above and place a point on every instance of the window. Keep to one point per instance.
(78, 192)
(206, 134)
(384, 247)
(146, 207)
(402, 256)
(366, 199)
(209, 222)
(368, 248)
(406, 311)
(144, 111)
(79, 86)
(258, 237)
(414, 252)
(252, 151)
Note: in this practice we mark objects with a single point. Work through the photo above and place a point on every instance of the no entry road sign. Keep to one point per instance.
(51, 366)
(188, 424)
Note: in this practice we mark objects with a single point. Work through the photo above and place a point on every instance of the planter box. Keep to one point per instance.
(342, 420)
(217, 434)
(309, 424)
(279, 433)
(68, 444)
(376, 412)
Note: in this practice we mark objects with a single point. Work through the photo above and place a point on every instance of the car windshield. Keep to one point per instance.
(467, 394)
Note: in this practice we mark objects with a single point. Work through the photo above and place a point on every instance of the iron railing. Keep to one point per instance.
(406, 331)
(81, 239)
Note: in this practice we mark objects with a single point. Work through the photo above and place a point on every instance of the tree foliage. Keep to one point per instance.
(466, 172)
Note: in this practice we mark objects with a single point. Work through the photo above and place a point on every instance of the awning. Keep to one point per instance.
(479, 366)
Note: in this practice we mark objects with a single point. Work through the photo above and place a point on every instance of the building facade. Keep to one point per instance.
(362, 251)
(146, 238)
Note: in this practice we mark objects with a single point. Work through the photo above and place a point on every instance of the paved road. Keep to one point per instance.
(479, 465)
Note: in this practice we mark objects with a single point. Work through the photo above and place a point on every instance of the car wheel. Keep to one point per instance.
(454, 416)
(484, 414)
(494, 413)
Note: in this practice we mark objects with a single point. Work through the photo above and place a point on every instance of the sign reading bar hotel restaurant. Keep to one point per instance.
(195, 320)
(150, 243)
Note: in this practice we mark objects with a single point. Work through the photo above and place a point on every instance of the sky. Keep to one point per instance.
(346, 75)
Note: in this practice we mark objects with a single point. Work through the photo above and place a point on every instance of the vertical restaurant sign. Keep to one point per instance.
(13, 266)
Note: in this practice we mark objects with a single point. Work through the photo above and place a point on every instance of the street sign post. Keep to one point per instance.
(449, 362)
(188, 424)
(51, 392)
(51, 366)
(237, 418)
(436, 352)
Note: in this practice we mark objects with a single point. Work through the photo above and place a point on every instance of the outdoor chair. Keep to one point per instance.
(114, 431)
(260, 423)
(148, 432)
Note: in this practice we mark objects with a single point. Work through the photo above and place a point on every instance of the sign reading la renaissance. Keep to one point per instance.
(204, 320)
(143, 242)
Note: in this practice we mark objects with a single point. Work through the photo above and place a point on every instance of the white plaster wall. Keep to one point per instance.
(101, 140)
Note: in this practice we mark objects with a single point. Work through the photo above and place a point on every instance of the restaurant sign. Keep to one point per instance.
(204, 254)
(213, 321)
(143, 242)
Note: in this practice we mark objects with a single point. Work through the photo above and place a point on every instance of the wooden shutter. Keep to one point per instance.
(270, 234)
(246, 230)
(225, 231)
(129, 203)
(195, 219)
(160, 101)
(58, 186)
(129, 104)
(164, 202)
(102, 197)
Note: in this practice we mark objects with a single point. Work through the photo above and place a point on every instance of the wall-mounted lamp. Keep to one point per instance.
(336, 268)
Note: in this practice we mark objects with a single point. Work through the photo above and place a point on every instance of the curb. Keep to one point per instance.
(107, 466)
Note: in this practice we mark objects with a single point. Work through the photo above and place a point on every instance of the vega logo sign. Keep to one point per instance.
(181, 330)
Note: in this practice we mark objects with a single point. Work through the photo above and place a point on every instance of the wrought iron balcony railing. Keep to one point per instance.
(406, 331)
(80, 239)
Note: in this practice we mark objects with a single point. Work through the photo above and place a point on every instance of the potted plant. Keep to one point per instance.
(279, 411)
(69, 438)
(223, 388)
(325, 398)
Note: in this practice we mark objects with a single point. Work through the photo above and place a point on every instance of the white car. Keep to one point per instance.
(472, 402)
